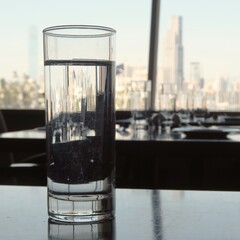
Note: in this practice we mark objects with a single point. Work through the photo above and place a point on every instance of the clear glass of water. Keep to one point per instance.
(79, 75)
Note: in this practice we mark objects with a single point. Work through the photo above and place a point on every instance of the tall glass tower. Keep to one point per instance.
(172, 54)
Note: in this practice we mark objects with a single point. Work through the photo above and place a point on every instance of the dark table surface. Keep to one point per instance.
(22, 141)
(140, 214)
(160, 158)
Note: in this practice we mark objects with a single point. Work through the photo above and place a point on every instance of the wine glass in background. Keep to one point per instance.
(140, 97)
(167, 97)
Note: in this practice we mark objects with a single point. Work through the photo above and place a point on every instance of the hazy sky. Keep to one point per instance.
(211, 29)
(131, 19)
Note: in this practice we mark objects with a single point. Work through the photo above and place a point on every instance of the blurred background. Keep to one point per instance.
(197, 54)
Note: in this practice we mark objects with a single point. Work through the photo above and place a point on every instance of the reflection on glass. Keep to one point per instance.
(104, 230)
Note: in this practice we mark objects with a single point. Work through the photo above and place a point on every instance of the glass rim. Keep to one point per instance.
(77, 31)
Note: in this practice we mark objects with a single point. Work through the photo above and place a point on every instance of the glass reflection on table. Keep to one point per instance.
(104, 230)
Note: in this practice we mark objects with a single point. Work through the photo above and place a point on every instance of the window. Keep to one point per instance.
(198, 50)
(22, 22)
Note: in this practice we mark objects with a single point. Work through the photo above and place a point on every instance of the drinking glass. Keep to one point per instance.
(167, 97)
(79, 74)
(140, 93)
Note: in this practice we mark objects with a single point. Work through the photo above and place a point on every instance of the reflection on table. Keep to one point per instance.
(68, 231)
(140, 214)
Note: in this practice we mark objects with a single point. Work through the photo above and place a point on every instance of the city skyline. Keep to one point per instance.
(181, 89)
(208, 46)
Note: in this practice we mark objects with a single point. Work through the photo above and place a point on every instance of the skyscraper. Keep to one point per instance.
(172, 54)
(33, 53)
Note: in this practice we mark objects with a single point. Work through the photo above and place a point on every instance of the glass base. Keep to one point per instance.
(80, 211)
(81, 218)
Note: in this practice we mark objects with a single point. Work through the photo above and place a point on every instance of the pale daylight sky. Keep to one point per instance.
(211, 30)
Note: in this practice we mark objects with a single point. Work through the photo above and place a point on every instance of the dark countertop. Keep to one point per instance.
(158, 160)
(140, 214)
